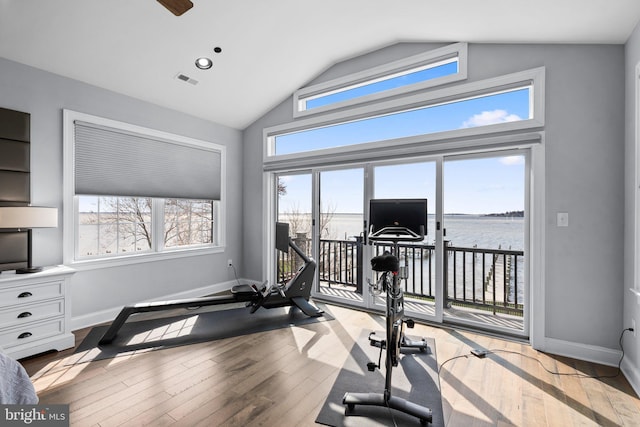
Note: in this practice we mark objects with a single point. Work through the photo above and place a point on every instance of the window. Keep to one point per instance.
(502, 107)
(188, 222)
(393, 81)
(433, 68)
(135, 192)
(480, 109)
(113, 226)
(116, 226)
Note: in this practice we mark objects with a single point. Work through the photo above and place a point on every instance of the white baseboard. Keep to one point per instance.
(107, 315)
(589, 353)
(632, 374)
(595, 354)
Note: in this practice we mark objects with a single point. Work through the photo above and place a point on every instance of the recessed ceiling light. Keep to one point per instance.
(204, 63)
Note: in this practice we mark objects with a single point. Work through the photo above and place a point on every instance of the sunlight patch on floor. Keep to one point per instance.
(57, 373)
(173, 330)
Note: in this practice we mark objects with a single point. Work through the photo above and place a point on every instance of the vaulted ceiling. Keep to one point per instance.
(269, 47)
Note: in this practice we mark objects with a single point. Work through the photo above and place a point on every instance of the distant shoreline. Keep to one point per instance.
(510, 214)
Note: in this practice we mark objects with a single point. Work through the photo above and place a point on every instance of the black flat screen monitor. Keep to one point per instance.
(282, 236)
(396, 215)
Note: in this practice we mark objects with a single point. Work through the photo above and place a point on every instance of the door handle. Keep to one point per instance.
(364, 235)
(25, 295)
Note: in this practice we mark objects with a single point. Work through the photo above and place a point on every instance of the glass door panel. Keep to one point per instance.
(339, 234)
(485, 233)
(294, 207)
(408, 181)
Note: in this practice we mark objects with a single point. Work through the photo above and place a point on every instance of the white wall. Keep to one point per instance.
(584, 137)
(100, 293)
(631, 363)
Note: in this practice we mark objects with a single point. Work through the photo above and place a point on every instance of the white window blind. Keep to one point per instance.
(117, 162)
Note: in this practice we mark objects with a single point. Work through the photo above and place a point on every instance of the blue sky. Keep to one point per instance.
(389, 83)
(498, 108)
(471, 186)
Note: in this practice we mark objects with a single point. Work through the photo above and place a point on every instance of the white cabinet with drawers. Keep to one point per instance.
(35, 311)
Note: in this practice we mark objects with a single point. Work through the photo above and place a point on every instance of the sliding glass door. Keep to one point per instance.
(472, 266)
(485, 223)
(419, 259)
(294, 206)
(339, 235)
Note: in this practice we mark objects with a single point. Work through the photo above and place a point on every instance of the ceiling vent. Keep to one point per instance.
(186, 78)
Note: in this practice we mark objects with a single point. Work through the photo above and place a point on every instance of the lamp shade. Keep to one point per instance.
(28, 217)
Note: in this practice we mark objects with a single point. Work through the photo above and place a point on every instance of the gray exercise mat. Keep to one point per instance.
(415, 379)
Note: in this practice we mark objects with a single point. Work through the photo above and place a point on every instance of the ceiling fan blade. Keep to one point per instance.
(177, 7)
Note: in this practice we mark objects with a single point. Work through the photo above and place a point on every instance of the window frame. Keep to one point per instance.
(158, 252)
(424, 143)
(435, 57)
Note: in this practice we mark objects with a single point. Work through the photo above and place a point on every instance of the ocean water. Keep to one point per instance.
(461, 230)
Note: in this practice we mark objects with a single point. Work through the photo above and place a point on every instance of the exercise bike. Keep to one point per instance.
(295, 292)
(405, 216)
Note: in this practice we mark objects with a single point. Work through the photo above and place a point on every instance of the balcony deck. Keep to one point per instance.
(453, 314)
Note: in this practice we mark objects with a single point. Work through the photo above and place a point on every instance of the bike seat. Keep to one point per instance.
(385, 262)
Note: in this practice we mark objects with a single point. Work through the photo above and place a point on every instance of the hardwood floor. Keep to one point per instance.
(282, 378)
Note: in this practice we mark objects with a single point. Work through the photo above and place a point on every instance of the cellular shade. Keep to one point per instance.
(116, 162)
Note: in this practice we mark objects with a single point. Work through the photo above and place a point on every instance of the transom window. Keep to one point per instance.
(393, 81)
(495, 108)
(433, 68)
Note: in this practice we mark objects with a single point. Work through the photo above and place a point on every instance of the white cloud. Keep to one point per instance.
(512, 160)
(489, 118)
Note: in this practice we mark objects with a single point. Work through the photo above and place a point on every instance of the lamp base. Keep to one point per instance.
(28, 270)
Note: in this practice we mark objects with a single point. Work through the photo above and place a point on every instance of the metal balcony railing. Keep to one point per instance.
(486, 279)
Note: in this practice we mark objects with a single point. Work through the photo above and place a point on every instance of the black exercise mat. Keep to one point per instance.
(138, 336)
(415, 379)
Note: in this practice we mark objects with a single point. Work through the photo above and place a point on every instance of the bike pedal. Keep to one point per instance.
(376, 342)
(371, 366)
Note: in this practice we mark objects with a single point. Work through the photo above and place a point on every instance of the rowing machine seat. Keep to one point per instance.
(247, 289)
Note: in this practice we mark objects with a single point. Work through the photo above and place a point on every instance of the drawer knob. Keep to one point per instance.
(25, 295)
(24, 335)
(24, 314)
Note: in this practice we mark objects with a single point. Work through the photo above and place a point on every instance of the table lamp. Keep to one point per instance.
(28, 218)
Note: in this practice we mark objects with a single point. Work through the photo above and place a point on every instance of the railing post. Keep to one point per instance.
(359, 265)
